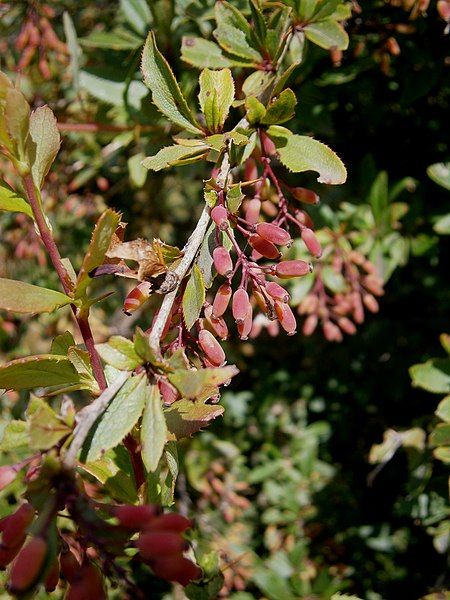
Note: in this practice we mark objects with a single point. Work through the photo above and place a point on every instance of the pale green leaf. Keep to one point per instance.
(443, 409)
(171, 155)
(202, 53)
(43, 143)
(12, 202)
(74, 50)
(45, 429)
(153, 430)
(81, 360)
(21, 297)
(442, 225)
(255, 110)
(192, 383)
(327, 34)
(137, 13)
(136, 170)
(301, 153)
(440, 174)
(216, 97)
(234, 33)
(44, 370)
(15, 435)
(113, 92)
(234, 197)
(166, 93)
(193, 297)
(440, 436)
(117, 39)
(119, 418)
(17, 119)
(62, 343)
(115, 472)
(433, 375)
(119, 352)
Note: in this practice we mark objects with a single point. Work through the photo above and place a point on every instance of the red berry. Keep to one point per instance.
(70, 567)
(311, 242)
(28, 565)
(241, 305)
(135, 517)
(277, 292)
(153, 544)
(305, 195)
(176, 568)
(211, 347)
(263, 247)
(52, 579)
(273, 233)
(286, 317)
(169, 522)
(219, 215)
(15, 526)
(221, 300)
(88, 585)
(292, 268)
(222, 261)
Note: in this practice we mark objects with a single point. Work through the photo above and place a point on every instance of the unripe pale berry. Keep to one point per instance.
(305, 195)
(222, 261)
(136, 298)
(176, 568)
(286, 317)
(277, 292)
(273, 233)
(311, 242)
(292, 268)
(211, 347)
(264, 247)
(28, 565)
(160, 543)
(219, 215)
(221, 300)
(241, 305)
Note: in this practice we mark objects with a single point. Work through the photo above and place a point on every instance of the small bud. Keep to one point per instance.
(346, 325)
(310, 325)
(241, 305)
(358, 309)
(168, 392)
(176, 568)
(219, 215)
(221, 300)
(264, 247)
(305, 195)
(222, 261)
(135, 517)
(286, 317)
(292, 268)
(273, 233)
(28, 565)
(311, 242)
(169, 522)
(160, 543)
(277, 292)
(136, 298)
(211, 347)
(252, 211)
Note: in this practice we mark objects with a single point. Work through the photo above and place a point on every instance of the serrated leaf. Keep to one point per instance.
(12, 202)
(202, 53)
(45, 429)
(192, 384)
(165, 90)
(43, 370)
(15, 435)
(280, 110)
(186, 417)
(21, 297)
(119, 418)
(115, 472)
(43, 143)
(98, 246)
(433, 375)
(62, 343)
(137, 14)
(119, 352)
(327, 34)
(171, 155)
(216, 97)
(234, 197)
(301, 153)
(193, 297)
(153, 430)
(234, 33)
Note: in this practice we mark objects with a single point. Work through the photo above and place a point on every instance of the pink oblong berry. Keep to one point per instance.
(152, 544)
(222, 299)
(286, 317)
(371, 303)
(347, 326)
(305, 195)
(216, 324)
(264, 247)
(28, 565)
(311, 242)
(168, 392)
(277, 292)
(222, 261)
(219, 215)
(310, 325)
(211, 347)
(273, 233)
(292, 268)
(241, 305)
(136, 298)
(252, 211)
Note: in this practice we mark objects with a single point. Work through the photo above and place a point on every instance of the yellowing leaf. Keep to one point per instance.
(433, 375)
(216, 96)
(21, 297)
(193, 297)
(153, 430)
(43, 143)
(17, 118)
(166, 92)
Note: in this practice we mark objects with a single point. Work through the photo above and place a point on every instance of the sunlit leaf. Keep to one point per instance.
(43, 143)
(120, 353)
(186, 417)
(21, 297)
(216, 96)
(193, 297)
(12, 202)
(153, 429)
(31, 372)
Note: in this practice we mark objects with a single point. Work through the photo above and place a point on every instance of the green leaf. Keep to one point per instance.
(17, 119)
(113, 92)
(193, 297)
(44, 370)
(442, 225)
(145, 352)
(193, 384)
(12, 202)
(442, 453)
(117, 39)
(433, 375)
(119, 418)
(62, 343)
(273, 585)
(443, 409)
(98, 246)
(333, 281)
(234, 33)
(440, 174)
(74, 50)
(81, 360)
(186, 417)
(136, 170)
(280, 110)
(21, 297)
(137, 14)
(15, 435)
(255, 110)
(301, 153)
(119, 352)
(115, 472)
(234, 197)
(202, 53)
(153, 430)
(257, 83)
(379, 200)
(43, 143)
(171, 155)
(216, 97)
(171, 457)
(327, 34)
(165, 90)
(440, 436)
(45, 429)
